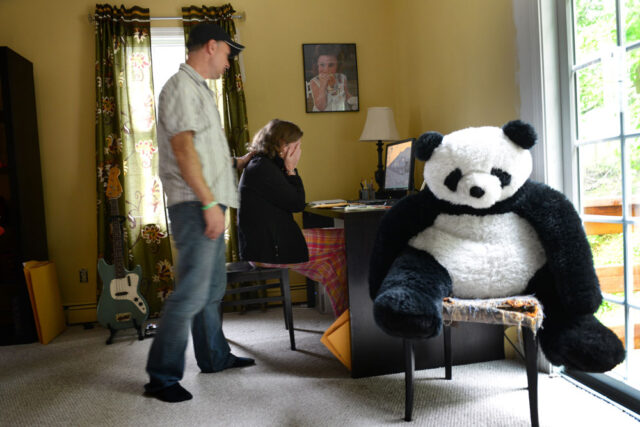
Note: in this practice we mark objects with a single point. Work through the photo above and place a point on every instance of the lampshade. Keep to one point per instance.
(380, 125)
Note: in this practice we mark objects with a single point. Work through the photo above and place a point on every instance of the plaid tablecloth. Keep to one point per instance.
(327, 264)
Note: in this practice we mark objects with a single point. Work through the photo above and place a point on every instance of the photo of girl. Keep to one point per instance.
(331, 77)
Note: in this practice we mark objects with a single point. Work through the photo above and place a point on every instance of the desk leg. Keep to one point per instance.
(311, 293)
(366, 338)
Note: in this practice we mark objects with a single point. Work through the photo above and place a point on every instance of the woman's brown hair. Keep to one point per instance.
(267, 140)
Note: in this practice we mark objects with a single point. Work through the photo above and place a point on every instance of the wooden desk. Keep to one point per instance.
(373, 352)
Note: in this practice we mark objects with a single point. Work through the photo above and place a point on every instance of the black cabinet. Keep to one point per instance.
(23, 234)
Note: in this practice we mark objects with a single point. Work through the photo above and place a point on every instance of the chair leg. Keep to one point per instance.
(531, 356)
(448, 358)
(284, 306)
(409, 368)
(288, 312)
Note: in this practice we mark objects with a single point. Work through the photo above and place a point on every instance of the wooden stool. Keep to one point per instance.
(524, 312)
(243, 272)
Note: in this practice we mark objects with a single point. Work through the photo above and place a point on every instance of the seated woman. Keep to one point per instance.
(270, 192)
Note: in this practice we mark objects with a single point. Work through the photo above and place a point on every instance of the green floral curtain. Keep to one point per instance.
(126, 138)
(235, 110)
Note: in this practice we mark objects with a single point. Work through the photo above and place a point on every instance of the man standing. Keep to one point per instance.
(199, 182)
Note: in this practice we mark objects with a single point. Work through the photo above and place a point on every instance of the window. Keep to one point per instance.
(601, 102)
(168, 52)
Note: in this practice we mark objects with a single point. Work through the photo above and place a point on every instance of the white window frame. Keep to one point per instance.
(548, 102)
(539, 82)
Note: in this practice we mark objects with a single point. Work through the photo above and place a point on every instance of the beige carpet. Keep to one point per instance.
(77, 380)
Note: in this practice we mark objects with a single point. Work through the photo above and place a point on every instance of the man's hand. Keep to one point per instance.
(214, 220)
(244, 160)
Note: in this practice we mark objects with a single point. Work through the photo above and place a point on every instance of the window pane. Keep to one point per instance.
(607, 249)
(600, 178)
(166, 61)
(634, 241)
(611, 315)
(597, 95)
(633, 354)
(632, 89)
(595, 27)
(632, 20)
(633, 152)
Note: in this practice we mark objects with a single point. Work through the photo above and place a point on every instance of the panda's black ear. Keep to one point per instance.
(520, 133)
(426, 143)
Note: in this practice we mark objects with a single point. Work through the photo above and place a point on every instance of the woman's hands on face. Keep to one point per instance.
(291, 155)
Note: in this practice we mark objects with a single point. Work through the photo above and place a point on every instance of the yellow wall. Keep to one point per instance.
(440, 65)
(458, 64)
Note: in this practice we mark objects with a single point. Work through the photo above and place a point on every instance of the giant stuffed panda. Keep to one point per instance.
(481, 229)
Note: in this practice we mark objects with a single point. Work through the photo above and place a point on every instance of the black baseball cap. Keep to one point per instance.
(205, 31)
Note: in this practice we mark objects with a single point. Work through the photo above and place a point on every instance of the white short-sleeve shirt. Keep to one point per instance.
(187, 104)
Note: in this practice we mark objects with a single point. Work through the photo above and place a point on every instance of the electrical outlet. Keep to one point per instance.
(84, 275)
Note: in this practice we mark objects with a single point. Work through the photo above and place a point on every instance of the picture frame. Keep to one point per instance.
(330, 69)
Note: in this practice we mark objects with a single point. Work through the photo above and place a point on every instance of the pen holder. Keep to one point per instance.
(366, 194)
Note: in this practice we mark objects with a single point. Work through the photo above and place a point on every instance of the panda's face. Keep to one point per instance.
(477, 167)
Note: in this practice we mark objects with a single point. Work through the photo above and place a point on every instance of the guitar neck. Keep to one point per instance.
(116, 234)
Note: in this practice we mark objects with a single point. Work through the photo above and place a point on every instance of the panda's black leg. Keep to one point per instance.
(570, 337)
(409, 302)
(581, 342)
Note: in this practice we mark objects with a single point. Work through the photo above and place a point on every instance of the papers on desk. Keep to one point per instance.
(354, 207)
(348, 207)
(335, 203)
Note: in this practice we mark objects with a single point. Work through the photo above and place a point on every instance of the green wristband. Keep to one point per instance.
(210, 205)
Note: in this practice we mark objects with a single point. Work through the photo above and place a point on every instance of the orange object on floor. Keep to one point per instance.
(48, 313)
(338, 339)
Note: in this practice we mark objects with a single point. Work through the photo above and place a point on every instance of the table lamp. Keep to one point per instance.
(380, 126)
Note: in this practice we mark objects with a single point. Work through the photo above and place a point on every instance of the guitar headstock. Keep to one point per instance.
(114, 189)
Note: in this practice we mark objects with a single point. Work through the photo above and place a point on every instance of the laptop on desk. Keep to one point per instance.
(398, 177)
(398, 173)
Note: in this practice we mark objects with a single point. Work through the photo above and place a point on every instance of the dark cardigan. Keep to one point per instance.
(268, 198)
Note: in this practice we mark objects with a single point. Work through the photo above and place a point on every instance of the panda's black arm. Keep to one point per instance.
(404, 220)
(569, 257)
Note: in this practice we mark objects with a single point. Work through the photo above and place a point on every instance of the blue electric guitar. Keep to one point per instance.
(120, 305)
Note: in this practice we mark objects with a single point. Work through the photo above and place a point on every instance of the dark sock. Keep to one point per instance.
(238, 362)
(173, 393)
(241, 362)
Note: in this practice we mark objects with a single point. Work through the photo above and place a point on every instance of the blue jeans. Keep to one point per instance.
(195, 303)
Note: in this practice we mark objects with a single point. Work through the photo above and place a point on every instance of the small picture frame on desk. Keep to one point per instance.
(330, 77)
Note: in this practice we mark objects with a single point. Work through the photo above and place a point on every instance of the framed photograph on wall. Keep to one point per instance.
(330, 77)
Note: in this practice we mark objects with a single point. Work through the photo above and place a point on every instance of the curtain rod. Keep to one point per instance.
(239, 16)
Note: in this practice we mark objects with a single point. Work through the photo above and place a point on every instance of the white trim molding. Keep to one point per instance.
(539, 81)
